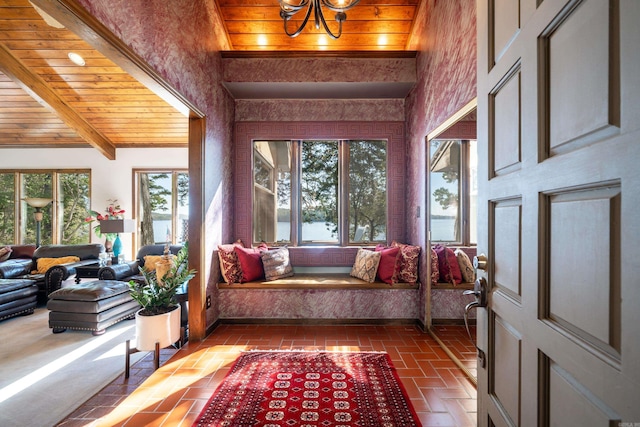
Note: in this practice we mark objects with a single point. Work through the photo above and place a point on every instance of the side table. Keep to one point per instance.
(89, 271)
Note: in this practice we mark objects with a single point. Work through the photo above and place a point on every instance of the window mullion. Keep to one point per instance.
(343, 192)
(464, 192)
(296, 206)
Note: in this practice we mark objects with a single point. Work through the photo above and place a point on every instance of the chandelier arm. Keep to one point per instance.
(328, 30)
(287, 17)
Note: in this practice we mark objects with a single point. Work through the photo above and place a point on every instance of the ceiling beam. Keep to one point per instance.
(37, 88)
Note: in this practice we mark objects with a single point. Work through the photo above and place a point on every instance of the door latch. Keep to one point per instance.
(481, 294)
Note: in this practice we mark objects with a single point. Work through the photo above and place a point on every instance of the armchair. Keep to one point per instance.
(19, 261)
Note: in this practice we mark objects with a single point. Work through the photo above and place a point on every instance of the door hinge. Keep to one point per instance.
(482, 360)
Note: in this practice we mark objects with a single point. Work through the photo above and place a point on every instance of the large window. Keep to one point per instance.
(63, 220)
(331, 192)
(453, 191)
(163, 206)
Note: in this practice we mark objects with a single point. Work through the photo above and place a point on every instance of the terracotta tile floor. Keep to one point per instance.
(175, 394)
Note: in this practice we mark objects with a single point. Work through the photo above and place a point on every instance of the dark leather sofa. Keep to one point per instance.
(19, 262)
(130, 270)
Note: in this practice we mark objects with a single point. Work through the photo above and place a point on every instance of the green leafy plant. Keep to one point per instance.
(157, 297)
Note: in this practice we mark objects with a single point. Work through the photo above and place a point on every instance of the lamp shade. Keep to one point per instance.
(117, 226)
(37, 202)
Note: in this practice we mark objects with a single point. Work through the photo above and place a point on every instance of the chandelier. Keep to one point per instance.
(288, 8)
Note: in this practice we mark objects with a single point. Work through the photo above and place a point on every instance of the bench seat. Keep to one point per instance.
(317, 281)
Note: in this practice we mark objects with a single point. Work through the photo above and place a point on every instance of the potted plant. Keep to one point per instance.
(158, 321)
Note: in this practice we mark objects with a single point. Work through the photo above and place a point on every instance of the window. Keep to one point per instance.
(63, 220)
(163, 206)
(453, 191)
(331, 192)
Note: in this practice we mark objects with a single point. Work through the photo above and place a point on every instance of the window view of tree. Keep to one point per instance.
(453, 191)
(73, 197)
(7, 208)
(63, 220)
(308, 175)
(163, 199)
(367, 191)
(319, 191)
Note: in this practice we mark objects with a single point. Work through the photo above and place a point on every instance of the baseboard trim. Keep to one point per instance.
(451, 321)
(273, 321)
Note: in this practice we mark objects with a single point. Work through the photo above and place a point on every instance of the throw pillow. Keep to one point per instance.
(229, 264)
(466, 267)
(387, 269)
(366, 265)
(435, 271)
(44, 264)
(276, 264)
(5, 253)
(250, 263)
(448, 265)
(408, 262)
(23, 251)
(150, 262)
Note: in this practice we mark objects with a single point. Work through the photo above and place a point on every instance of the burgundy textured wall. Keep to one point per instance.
(445, 32)
(187, 59)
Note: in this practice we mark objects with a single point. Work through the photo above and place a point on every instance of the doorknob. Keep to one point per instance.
(481, 293)
(480, 262)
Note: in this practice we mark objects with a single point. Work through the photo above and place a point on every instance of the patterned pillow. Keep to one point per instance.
(250, 263)
(229, 264)
(366, 265)
(44, 264)
(466, 267)
(448, 265)
(5, 253)
(435, 272)
(276, 264)
(408, 262)
(387, 269)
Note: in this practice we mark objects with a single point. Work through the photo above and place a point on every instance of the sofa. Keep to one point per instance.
(131, 270)
(19, 261)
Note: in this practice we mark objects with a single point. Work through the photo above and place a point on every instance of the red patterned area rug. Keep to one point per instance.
(299, 388)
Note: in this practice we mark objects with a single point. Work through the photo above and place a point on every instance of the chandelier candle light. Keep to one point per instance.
(288, 8)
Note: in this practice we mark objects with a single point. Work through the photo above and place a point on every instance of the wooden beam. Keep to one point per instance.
(37, 88)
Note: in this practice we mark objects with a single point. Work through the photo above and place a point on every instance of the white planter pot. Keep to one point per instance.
(161, 328)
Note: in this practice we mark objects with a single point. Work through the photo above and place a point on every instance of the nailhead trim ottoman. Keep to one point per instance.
(17, 297)
(91, 306)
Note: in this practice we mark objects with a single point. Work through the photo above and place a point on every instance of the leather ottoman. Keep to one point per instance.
(17, 297)
(91, 306)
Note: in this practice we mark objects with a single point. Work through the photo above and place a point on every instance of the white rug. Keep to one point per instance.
(45, 376)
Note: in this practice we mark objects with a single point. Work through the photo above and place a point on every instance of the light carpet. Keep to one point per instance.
(299, 388)
(45, 376)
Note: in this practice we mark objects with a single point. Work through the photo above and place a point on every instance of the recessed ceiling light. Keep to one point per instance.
(76, 59)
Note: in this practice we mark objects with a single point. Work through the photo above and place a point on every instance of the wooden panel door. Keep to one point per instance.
(559, 194)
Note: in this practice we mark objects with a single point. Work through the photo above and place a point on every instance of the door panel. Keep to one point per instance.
(559, 190)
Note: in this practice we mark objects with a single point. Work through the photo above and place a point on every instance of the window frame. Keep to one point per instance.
(56, 209)
(137, 208)
(343, 239)
(464, 193)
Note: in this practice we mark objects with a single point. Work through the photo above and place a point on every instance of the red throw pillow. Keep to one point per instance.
(448, 265)
(250, 263)
(407, 262)
(387, 269)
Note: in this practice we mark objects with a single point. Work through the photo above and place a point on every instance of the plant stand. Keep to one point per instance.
(156, 353)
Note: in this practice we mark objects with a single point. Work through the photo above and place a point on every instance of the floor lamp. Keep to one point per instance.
(37, 203)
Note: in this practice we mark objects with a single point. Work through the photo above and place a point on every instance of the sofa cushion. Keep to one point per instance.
(366, 264)
(150, 262)
(44, 264)
(388, 267)
(229, 264)
(22, 251)
(250, 263)
(276, 264)
(408, 262)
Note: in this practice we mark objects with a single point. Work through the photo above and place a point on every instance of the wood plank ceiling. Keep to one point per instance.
(48, 101)
(370, 26)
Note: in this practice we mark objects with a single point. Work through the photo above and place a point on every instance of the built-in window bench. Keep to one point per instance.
(314, 295)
